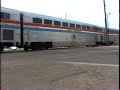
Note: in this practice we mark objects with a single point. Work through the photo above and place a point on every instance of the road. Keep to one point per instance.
(100, 55)
(33, 70)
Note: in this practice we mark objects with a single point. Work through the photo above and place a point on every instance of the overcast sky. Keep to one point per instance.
(88, 11)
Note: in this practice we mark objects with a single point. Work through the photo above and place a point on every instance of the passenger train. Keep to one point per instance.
(34, 31)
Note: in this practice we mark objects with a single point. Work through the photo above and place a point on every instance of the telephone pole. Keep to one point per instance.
(106, 29)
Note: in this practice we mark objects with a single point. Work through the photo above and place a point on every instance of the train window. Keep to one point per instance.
(7, 34)
(46, 21)
(72, 25)
(5, 15)
(84, 27)
(88, 27)
(57, 23)
(78, 26)
(64, 24)
(95, 28)
(37, 20)
(110, 31)
(100, 29)
(92, 28)
(114, 31)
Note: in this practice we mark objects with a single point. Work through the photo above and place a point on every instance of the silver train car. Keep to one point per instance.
(35, 31)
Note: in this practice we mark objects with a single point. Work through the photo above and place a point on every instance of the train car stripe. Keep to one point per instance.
(49, 26)
(14, 27)
(10, 26)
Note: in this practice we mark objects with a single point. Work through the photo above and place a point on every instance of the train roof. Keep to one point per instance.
(9, 10)
(50, 17)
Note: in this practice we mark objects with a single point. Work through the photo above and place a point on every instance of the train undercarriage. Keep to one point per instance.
(32, 46)
(43, 45)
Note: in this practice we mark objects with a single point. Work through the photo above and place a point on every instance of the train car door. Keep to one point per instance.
(73, 39)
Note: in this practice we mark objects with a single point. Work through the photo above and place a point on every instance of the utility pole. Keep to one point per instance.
(106, 29)
(65, 15)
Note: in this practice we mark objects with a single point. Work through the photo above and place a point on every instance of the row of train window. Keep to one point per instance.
(5, 15)
(58, 23)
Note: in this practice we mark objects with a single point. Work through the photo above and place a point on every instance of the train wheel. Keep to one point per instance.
(34, 48)
(26, 48)
(93, 45)
(1, 50)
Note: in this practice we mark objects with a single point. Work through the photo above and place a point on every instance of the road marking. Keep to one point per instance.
(112, 65)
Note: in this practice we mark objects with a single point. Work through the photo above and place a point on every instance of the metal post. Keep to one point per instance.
(21, 30)
(65, 15)
(106, 31)
(108, 28)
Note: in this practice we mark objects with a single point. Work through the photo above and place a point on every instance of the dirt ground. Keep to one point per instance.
(59, 75)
